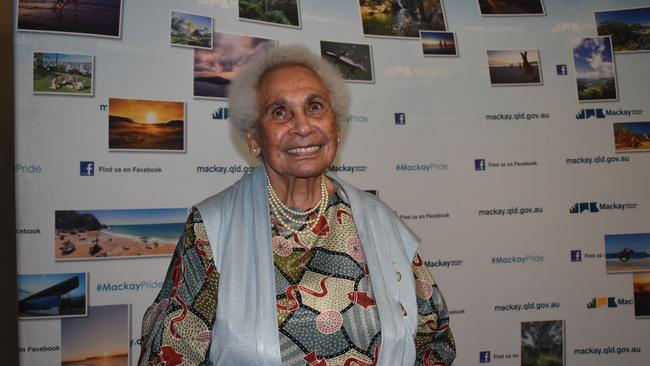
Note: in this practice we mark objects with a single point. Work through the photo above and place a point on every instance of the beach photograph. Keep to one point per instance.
(631, 136)
(100, 339)
(190, 30)
(279, 12)
(627, 253)
(213, 69)
(52, 295)
(511, 7)
(514, 67)
(596, 74)
(641, 283)
(404, 18)
(438, 43)
(146, 125)
(353, 60)
(104, 234)
(61, 73)
(629, 28)
(542, 343)
(84, 17)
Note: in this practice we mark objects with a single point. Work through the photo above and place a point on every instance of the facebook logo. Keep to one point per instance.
(87, 168)
(479, 164)
(576, 256)
(484, 357)
(561, 69)
(400, 118)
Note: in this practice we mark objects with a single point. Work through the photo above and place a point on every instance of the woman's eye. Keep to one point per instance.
(315, 107)
(279, 113)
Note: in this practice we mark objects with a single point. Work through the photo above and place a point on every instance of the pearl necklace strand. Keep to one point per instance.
(283, 212)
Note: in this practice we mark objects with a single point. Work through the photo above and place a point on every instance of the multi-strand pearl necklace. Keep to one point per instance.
(283, 213)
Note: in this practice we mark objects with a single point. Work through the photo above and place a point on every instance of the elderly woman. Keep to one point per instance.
(290, 265)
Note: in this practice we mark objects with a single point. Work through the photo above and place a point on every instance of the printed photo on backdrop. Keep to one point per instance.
(629, 28)
(190, 30)
(511, 7)
(353, 60)
(641, 283)
(106, 234)
(100, 339)
(52, 295)
(595, 70)
(514, 67)
(542, 343)
(85, 17)
(627, 253)
(146, 125)
(213, 69)
(279, 12)
(632, 136)
(438, 43)
(62, 73)
(404, 19)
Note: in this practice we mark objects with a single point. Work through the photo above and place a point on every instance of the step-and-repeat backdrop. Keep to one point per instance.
(512, 136)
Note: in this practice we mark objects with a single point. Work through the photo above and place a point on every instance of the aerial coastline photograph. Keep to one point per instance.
(117, 233)
(595, 70)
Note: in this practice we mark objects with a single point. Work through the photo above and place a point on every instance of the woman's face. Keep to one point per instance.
(297, 134)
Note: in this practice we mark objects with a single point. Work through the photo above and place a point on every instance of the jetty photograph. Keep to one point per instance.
(99, 339)
(85, 17)
(353, 60)
(52, 295)
(146, 125)
(213, 69)
(514, 67)
(101, 234)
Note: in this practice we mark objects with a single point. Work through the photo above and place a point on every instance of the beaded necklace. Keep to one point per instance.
(283, 213)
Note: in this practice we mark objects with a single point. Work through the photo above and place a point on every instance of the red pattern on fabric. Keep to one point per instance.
(169, 357)
(177, 280)
(340, 213)
(426, 362)
(357, 362)
(294, 302)
(322, 227)
(361, 298)
(312, 360)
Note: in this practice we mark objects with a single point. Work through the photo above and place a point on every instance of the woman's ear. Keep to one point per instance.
(253, 145)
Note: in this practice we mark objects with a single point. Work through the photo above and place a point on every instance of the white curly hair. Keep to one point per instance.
(242, 96)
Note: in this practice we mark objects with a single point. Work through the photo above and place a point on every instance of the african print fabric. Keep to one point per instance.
(326, 311)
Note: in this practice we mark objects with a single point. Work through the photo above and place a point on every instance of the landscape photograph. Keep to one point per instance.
(403, 18)
(438, 43)
(213, 69)
(353, 60)
(595, 70)
(631, 136)
(99, 339)
(542, 343)
(629, 28)
(641, 283)
(102, 234)
(627, 253)
(280, 12)
(61, 73)
(514, 67)
(191, 30)
(87, 17)
(511, 7)
(146, 125)
(52, 295)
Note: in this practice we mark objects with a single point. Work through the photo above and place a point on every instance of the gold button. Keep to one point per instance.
(398, 275)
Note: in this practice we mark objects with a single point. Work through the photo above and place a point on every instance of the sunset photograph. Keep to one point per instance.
(100, 339)
(146, 125)
(213, 69)
(514, 67)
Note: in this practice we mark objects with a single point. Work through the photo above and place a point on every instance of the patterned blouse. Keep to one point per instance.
(326, 311)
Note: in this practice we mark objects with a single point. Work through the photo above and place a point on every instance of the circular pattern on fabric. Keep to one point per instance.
(355, 250)
(329, 321)
(423, 289)
(281, 246)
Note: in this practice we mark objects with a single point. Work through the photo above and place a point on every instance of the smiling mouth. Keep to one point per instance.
(303, 150)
